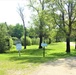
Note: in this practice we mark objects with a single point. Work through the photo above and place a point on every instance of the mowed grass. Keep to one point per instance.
(31, 58)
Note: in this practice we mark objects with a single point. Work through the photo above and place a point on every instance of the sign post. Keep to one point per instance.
(19, 48)
(43, 45)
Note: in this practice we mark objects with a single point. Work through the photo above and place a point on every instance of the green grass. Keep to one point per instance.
(31, 58)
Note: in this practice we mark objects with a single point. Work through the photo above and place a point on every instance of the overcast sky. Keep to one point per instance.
(9, 14)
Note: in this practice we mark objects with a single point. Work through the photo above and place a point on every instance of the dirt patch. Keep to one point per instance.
(65, 66)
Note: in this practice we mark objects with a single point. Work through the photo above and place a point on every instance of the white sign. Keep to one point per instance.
(18, 46)
(43, 44)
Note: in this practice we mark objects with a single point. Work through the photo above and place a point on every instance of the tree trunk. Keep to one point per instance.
(75, 43)
(24, 37)
(40, 42)
(68, 44)
(49, 40)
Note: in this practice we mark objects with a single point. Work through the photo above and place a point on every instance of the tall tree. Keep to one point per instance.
(38, 6)
(3, 34)
(20, 11)
(64, 14)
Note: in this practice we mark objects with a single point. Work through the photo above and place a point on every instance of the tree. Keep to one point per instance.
(17, 31)
(11, 30)
(74, 33)
(20, 11)
(32, 33)
(64, 14)
(3, 34)
(39, 10)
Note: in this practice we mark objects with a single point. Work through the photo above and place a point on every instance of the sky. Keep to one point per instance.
(9, 12)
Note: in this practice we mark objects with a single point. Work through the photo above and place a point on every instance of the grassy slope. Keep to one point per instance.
(12, 64)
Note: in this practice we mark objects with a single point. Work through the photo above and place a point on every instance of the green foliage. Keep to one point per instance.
(35, 41)
(28, 40)
(14, 40)
(3, 34)
(10, 42)
(2, 45)
(11, 30)
(32, 32)
(16, 31)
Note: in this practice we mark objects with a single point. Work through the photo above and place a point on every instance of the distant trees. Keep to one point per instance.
(64, 14)
(39, 19)
(51, 19)
(55, 14)
(74, 33)
(17, 31)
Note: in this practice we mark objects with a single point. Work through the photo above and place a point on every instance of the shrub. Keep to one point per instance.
(2, 45)
(8, 43)
(3, 34)
(35, 41)
(28, 40)
(14, 40)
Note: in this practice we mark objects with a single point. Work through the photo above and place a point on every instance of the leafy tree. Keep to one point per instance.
(38, 6)
(64, 14)
(17, 31)
(3, 34)
(73, 34)
(11, 30)
(28, 40)
(31, 32)
(20, 11)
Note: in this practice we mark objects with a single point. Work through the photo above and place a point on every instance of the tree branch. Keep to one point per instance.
(31, 5)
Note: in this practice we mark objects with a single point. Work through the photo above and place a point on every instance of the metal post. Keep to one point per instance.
(43, 51)
(19, 53)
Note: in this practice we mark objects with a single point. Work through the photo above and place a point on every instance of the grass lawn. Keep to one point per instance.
(31, 58)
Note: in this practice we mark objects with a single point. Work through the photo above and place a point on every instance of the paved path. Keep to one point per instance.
(65, 66)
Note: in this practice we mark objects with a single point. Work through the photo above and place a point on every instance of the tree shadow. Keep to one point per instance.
(36, 56)
(31, 59)
(62, 54)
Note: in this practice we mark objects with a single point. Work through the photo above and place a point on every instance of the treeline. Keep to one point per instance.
(9, 34)
(57, 17)
(52, 21)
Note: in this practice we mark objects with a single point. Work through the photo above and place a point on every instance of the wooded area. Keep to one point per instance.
(52, 21)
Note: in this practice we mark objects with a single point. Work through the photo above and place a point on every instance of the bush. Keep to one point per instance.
(35, 41)
(14, 40)
(5, 44)
(3, 34)
(28, 40)
(8, 43)
(2, 45)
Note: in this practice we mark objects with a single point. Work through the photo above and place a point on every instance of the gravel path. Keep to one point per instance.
(65, 66)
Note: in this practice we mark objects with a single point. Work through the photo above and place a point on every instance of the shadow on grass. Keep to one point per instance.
(32, 59)
(35, 56)
(40, 59)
